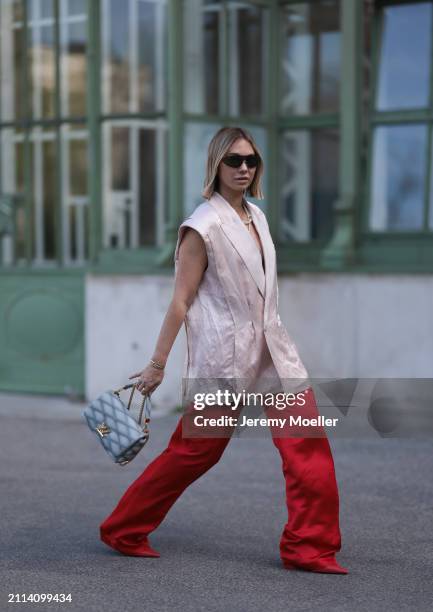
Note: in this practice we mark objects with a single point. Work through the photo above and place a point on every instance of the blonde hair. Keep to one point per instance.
(218, 148)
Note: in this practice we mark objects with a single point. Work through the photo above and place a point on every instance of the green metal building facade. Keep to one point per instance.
(106, 109)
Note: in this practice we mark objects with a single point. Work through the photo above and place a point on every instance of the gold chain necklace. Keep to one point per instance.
(249, 218)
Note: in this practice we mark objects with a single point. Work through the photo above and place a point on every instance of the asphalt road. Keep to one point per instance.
(219, 543)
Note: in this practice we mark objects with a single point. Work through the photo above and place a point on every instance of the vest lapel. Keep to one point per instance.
(269, 255)
(241, 240)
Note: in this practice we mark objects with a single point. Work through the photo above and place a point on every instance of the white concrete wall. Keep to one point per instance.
(123, 318)
(344, 326)
(361, 325)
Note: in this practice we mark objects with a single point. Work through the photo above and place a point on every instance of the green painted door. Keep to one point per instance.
(42, 333)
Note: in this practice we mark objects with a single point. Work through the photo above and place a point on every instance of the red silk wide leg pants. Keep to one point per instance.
(311, 536)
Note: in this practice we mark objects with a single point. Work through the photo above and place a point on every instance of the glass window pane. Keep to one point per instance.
(399, 166)
(147, 197)
(40, 9)
(405, 56)
(12, 166)
(12, 187)
(78, 167)
(134, 55)
(73, 36)
(202, 31)
(134, 184)
(310, 61)
(12, 60)
(165, 184)
(247, 52)
(152, 43)
(118, 185)
(196, 141)
(44, 197)
(116, 56)
(77, 228)
(21, 220)
(19, 186)
(309, 184)
(77, 7)
(75, 194)
(20, 239)
(72, 223)
(430, 212)
(49, 198)
(120, 158)
(41, 62)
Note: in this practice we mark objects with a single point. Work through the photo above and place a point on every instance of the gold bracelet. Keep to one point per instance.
(157, 365)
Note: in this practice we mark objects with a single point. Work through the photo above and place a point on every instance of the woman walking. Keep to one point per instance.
(226, 293)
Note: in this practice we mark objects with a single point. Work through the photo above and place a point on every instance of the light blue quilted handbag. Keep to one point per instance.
(121, 435)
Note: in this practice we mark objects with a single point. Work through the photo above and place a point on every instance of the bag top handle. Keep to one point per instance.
(146, 396)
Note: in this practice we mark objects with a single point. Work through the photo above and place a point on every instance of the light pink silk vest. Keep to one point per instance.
(233, 328)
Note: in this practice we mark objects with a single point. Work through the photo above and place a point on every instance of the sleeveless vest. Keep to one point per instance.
(233, 328)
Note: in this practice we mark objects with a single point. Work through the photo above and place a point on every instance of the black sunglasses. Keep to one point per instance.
(235, 161)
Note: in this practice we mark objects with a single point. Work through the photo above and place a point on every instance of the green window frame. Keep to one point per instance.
(396, 250)
(45, 199)
(351, 247)
(304, 254)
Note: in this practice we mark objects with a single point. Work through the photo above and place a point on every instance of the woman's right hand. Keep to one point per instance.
(148, 379)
